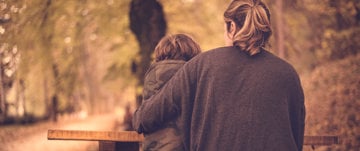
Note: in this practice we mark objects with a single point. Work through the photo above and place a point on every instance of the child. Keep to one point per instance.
(171, 53)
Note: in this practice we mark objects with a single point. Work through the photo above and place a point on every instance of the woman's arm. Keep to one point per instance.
(166, 104)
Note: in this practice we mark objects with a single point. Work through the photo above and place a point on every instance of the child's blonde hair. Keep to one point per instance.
(176, 47)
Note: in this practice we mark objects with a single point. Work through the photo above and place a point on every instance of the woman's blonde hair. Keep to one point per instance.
(252, 20)
(176, 47)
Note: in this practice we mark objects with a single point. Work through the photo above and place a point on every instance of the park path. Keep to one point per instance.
(34, 138)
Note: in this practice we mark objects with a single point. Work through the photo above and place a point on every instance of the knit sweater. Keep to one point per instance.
(228, 100)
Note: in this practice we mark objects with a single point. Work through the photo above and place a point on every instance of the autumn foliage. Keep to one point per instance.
(332, 93)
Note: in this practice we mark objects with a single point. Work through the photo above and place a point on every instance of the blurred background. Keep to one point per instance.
(79, 64)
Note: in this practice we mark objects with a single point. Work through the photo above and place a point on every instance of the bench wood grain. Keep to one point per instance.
(130, 140)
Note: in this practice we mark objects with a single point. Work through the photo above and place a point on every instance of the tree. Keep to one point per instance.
(334, 26)
(280, 44)
(9, 55)
(80, 38)
(148, 23)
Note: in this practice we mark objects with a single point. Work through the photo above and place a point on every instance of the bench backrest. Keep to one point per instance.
(129, 140)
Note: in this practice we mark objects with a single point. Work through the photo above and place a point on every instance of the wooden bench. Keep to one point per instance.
(130, 140)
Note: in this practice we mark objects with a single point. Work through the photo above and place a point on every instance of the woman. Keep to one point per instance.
(238, 97)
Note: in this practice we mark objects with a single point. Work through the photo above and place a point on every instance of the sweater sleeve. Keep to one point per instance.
(166, 104)
(297, 112)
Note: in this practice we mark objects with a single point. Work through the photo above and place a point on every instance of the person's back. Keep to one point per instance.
(171, 53)
(244, 103)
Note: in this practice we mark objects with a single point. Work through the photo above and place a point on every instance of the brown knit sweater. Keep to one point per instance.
(227, 100)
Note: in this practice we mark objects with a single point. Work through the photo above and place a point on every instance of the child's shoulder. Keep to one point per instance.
(165, 65)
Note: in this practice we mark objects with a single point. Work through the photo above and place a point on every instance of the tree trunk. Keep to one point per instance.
(86, 58)
(22, 100)
(148, 23)
(54, 99)
(280, 43)
(2, 93)
(46, 37)
(341, 22)
(46, 99)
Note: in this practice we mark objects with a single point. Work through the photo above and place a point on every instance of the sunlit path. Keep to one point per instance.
(38, 141)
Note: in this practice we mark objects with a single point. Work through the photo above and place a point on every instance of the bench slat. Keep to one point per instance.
(321, 140)
(132, 136)
(123, 136)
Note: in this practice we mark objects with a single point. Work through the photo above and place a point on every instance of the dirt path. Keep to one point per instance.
(34, 138)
